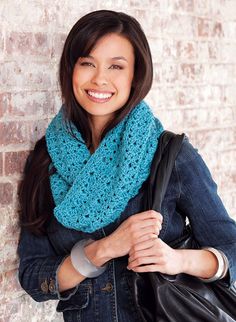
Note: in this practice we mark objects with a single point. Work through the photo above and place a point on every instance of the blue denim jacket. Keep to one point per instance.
(191, 194)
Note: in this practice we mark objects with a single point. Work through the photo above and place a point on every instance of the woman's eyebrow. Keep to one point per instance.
(119, 58)
(112, 58)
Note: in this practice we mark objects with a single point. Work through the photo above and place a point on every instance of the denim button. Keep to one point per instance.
(108, 287)
(52, 286)
(44, 286)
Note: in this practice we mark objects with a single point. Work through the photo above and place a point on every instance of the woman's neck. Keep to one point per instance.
(98, 124)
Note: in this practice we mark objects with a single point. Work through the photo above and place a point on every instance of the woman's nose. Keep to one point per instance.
(100, 77)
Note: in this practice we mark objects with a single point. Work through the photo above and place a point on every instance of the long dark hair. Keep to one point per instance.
(79, 43)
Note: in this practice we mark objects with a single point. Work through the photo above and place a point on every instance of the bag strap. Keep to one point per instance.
(161, 168)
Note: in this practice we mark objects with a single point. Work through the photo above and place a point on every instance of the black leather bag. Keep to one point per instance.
(177, 298)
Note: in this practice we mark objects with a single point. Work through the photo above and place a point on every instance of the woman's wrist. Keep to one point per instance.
(184, 260)
(82, 263)
(200, 263)
(67, 276)
(98, 252)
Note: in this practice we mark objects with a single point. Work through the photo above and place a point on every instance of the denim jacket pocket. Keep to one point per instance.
(79, 300)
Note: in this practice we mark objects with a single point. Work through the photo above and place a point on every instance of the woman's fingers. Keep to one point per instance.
(137, 228)
(147, 260)
(144, 244)
(148, 222)
(158, 257)
(144, 231)
(145, 253)
(144, 238)
(147, 215)
(147, 268)
(145, 223)
(139, 256)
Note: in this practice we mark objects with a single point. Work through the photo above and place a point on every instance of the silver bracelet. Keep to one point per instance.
(221, 271)
(226, 263)
(81, 262)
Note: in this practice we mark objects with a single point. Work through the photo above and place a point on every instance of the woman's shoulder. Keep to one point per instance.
(190, 163)
(187, 152)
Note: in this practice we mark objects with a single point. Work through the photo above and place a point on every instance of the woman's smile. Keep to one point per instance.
(99, 97)
(104, 77)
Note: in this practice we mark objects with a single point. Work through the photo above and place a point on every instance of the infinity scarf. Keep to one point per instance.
(90, 191)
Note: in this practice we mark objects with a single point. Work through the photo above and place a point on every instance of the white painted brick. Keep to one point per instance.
(193, 43)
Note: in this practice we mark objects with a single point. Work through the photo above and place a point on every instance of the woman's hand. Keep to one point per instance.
(157, 256)
(139, 228)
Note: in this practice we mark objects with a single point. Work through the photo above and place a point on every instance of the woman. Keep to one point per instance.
(84, 226)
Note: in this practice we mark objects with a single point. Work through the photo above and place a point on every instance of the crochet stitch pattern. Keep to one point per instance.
(91, 190)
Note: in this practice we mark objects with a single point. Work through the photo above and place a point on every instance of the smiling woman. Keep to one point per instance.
(102, 82)
(85, 230)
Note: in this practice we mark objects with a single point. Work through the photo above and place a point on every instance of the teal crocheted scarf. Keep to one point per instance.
(91, 190)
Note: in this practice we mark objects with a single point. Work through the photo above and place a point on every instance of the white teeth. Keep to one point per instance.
(99, 95)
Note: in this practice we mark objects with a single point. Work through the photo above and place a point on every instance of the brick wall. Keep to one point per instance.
(194, 52)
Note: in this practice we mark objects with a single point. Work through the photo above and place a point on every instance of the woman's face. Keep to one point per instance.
(102, 81)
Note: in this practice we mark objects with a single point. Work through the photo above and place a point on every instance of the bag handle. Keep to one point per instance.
(162, 165)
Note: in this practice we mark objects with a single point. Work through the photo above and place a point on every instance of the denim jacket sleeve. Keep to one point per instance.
(38, 268)
(199, 201)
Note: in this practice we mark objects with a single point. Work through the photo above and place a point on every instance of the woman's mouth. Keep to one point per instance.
(99, 97)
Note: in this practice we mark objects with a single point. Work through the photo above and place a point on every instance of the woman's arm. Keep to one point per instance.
(68, 277)
(39, 264)
(200, 202)
(157, 256)
(211, 224)
(44, 274)
(141, 226)
(38, 268)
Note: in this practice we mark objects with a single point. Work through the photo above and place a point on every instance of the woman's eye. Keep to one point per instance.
(86, 64)
(116, 67)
